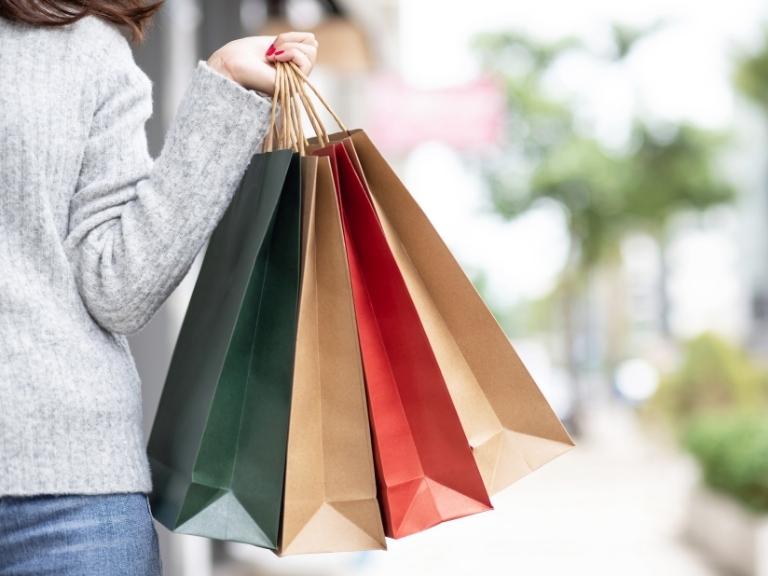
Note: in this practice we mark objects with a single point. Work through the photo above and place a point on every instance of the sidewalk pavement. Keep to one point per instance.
(612, 506)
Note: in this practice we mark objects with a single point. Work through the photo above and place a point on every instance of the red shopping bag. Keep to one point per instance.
(424, 464)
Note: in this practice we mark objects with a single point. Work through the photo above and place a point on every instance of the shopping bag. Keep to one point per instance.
(424, 463)
(217, 448)
(508, 422)
(330, 502)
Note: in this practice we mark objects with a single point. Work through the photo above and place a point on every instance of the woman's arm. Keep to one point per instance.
(136, 226)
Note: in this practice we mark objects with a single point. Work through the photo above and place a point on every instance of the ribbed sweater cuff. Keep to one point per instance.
(219, 123)
(232, 90)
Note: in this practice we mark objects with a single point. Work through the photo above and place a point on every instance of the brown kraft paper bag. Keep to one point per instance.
(330, 502)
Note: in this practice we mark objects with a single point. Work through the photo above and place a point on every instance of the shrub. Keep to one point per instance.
(714, 375)
(732, 450)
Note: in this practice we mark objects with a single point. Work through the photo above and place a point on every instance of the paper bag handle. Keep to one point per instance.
(288, 132)
(285, 129)
(322, 100)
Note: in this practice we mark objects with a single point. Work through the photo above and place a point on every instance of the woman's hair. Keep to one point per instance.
(133, 15)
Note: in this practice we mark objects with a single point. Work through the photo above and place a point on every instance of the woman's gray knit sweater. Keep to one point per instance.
(93, 238)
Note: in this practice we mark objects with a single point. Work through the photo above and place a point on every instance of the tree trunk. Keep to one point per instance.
(569, 297)
(662, 242)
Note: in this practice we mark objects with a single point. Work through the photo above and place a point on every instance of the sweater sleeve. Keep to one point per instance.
(136, 226)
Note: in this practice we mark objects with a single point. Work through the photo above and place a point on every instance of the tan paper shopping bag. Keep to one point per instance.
(330, 502)
(508, 422)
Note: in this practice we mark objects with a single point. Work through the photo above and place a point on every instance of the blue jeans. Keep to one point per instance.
(103, 535)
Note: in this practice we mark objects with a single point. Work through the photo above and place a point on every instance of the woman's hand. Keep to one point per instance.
(250, 61)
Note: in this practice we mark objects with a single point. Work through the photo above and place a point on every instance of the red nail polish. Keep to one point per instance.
(270, 50)
(279, 52)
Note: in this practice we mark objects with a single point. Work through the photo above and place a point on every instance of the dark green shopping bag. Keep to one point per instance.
(218, 445)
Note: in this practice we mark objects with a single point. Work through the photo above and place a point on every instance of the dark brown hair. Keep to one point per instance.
(134, 15)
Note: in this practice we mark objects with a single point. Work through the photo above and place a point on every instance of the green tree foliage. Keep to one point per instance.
(751, 74)
(666, 174)
(604, 193)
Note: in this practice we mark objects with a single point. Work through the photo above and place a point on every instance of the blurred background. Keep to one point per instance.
(600, 169)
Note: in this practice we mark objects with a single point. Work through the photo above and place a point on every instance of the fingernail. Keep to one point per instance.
(270, 50)
(279, 52)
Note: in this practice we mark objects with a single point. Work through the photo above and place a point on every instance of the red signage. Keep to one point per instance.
(468, 117)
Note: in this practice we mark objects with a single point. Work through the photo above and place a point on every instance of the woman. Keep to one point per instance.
(93, 238)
